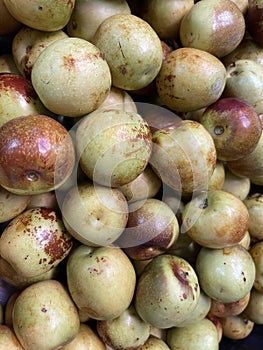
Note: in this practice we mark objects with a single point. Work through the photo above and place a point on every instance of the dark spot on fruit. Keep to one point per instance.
(44, 309)
(204, 204)
(219, 130)
(123, 70)
(40, 8)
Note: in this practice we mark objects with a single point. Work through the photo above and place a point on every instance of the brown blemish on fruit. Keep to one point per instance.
(11, 81)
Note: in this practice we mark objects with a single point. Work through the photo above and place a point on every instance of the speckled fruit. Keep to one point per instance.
(45, 15)
(35, 241)
(101, 281)
(45, 317)
(27, 45)
(190, 79)
(202, 219)
(234, 126)
(100, 213)
(36, 154)
(167, 291)
(71, 77)
(114, 146)
(184, 156)
(18, 98)
(215, 26)
(237, 326)
(226, 274)
(132, 49)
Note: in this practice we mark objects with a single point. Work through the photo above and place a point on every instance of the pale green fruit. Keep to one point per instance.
(190, 79)
(215, 26)
(239, 186)
(201, 335)
(11, 204)
(44, 316)
(254, 309)
(245, 81)
(71, 77)
(145, 185)
(127, 331)
(35, 241)
(132, 49)
(101, 281)
(27, 45)
(202, 219)
(256, 252)
(165, 16)
(167, 291)
(254, 204)
(200, 312)
(184, 156)
(46, 15)
(114, 146)
(89, 14)
(154, 343)
(100, 213)
(8, 339)
(86, 339)
(226, 274)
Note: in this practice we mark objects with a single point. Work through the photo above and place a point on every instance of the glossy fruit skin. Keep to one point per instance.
(190, 79)
(167, 291)
(225, 274)
(234, 126)
(18, 98)
(36, 154)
